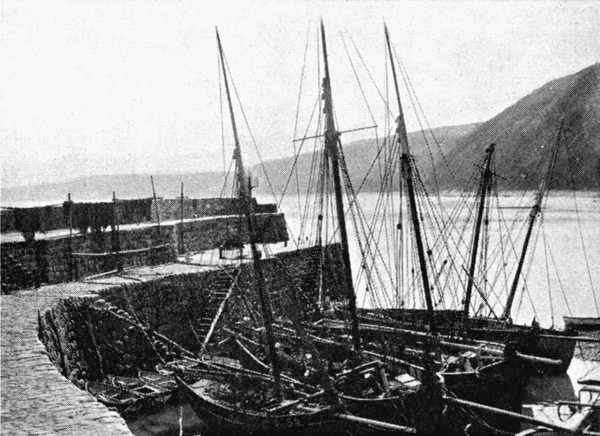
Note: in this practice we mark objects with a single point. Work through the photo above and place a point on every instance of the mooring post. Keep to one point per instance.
(70, 248)
(155, 203)
(116, 243)
(181, 243)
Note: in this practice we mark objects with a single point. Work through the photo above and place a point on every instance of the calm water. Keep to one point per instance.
(552, 291)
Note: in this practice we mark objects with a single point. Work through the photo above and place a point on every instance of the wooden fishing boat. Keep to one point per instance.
(484, 373)
(582, 323)
(114, 397)
(243, 413)
(150, 395)
(162, 381)
(552, 344)
(548, 344)
(190, 370)
(235, 399)
(394, 391)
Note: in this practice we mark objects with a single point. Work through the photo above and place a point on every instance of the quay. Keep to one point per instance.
(37, 396)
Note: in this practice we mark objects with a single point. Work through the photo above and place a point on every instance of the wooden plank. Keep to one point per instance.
(112, 253)
(507, 413)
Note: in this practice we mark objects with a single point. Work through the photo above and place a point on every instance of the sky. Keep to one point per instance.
(125, 86)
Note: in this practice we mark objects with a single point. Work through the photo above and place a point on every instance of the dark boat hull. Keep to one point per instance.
(229, 421)
(553, 344)
(550, 343)
(580, 323)
(420, 409)
(499, 384)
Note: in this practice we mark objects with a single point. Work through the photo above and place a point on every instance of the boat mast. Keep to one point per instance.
(407, 173)
(237, 152)
(486, 178)
(533, 214)
(332, 152)
(245, 195)
(265, 303)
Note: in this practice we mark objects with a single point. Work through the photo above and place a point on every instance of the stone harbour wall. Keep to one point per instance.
(170, 208)
(207, 234)
(129, 211)
(36, 399)
(31, 264)
(85, 343)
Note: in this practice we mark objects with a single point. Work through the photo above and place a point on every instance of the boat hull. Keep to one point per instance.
(499, 384)
(420, 409)
(582, 323)
(550, 343)
(225, 420)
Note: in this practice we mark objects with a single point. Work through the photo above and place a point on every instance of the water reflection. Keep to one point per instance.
(166, 421)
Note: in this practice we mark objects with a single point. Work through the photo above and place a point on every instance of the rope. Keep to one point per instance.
(547, 271)
(296, 153)
(221, 116)
(253, 139)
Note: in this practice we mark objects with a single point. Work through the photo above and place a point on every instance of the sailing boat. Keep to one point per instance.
(551, 343)
(236, 399)
(550, 350)
(498, 381)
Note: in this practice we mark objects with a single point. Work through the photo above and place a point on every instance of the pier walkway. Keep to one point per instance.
(35, 398)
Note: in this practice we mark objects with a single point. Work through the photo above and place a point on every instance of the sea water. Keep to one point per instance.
(555, 280)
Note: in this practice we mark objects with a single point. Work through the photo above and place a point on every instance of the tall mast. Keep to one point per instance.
(332, 152)
(237, 152)
(533, 214)
(407, 173)
(265, 303)
(245, 195)
(486, 177)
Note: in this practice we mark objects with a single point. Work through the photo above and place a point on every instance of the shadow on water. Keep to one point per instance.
(549, 389)
(165, 422)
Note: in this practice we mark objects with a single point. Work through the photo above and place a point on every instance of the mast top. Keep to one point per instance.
(237, 152)
(400, 124)
(330, 129)
(324, 43)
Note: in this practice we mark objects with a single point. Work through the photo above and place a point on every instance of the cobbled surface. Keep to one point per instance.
(35, 398)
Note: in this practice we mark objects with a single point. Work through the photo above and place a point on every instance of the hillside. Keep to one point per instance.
(100, 188)
(358, 154)
(524, 131)
(359, 157)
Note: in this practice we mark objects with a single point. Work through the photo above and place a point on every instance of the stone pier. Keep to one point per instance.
(36, 399)
(36, 395)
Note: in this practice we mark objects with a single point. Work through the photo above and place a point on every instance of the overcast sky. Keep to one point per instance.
(111, 86)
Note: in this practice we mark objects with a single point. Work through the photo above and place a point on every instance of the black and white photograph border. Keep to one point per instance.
(283, 217)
